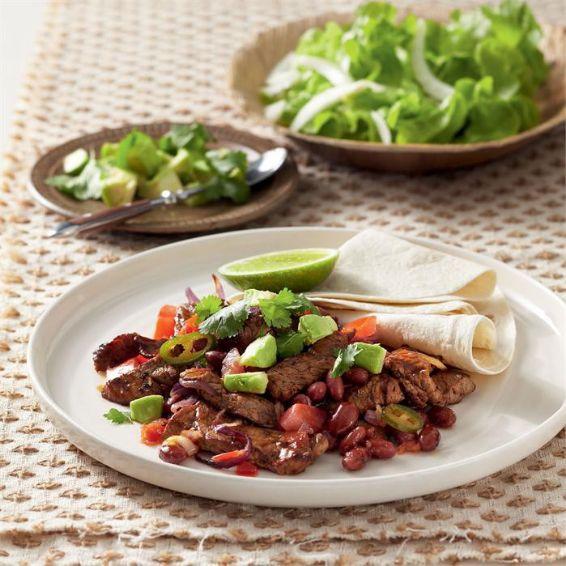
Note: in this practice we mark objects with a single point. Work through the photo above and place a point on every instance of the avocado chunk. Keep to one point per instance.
(165, 180)
(370, 357)
(181, 164)
(252, 382)
(315, 327)
(75, 162)
(146, 409)
(290, 344)
(118, 186)
(261, 353)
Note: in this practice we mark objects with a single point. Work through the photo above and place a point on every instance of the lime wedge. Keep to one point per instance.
(298, 270)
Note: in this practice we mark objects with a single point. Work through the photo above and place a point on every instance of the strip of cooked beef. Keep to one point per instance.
(290, 376)
(153, 377)
(251, 330)
(454, 384)
(122, 348)
(248, 405)
(381, 389)
(284, 453)
(413, 370)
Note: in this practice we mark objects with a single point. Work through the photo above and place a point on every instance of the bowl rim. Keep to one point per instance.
(369, 146)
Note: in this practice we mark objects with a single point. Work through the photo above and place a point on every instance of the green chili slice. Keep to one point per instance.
(402, 418)
(185, 348)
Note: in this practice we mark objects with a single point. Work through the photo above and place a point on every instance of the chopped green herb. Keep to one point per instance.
(208, 306)
(345, 359)
(118, 417)
(226, 322)
(277, 311)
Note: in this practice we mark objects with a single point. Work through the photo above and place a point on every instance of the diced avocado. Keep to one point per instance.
(164, 157)
(181, 164)
(137, 152)
(370, 357)
(75, 162)
(261, 353)
(108, 150)
(290, 344)
(118, 186)
(252, 382)
(315, 327)
(146, 409)
(253, 296)
(165, 180)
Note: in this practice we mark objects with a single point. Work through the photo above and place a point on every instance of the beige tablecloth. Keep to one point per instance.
(104, 63)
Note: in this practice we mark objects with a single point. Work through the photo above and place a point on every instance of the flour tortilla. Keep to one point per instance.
(376, 267)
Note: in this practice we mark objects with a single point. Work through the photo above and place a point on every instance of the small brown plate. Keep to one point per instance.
(176, 219)
(253, 62)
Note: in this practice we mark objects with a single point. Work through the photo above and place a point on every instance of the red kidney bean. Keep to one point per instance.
(354, 438)
(358, 376)
(301, 398)
(429, 438)
(172, 453)
(381, 448)
(317, 391)
(442, 417)
(335, 387)
(355, 459)
(375, 432)
(215, 358)
(343, 419)
(400, 436)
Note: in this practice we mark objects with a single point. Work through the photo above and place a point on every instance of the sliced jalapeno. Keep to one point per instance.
(402, 418)
(185, 348)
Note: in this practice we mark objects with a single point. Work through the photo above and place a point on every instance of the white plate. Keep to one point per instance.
(508, 417)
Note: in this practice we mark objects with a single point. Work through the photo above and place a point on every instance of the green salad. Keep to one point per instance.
(139, 166)
(468, 80)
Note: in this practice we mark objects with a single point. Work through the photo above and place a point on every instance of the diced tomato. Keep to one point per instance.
(139, 359)
(364, 328)
(152, 433)
(298, 416)
(167, 311)
(247, 469)
(191, 325)
(165, 328)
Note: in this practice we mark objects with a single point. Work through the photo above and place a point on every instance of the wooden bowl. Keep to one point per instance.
(253, 62)
(177, 219)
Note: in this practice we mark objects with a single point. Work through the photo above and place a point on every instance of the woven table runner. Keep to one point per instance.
(106, 63)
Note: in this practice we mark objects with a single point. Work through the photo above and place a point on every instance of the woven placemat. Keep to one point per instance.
(105, 63)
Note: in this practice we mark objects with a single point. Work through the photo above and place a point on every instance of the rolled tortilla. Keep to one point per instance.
(377, 267)
(478, 343)
(445, 308)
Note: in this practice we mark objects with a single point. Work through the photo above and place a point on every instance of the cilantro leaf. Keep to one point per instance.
(118, 417)
(277, 311)
(226, 322)
(208, 306)
(345, 359)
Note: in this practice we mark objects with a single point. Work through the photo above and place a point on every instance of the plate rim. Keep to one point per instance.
(227, 219)
(544, 432)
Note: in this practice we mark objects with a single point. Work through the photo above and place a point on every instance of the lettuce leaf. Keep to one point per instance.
(488, 58)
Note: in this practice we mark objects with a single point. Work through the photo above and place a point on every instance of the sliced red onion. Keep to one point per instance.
(218, 287)
(192, 298)
(183, 403)
(231, 362)
(197, 385)
(234, 457)
(371, 417)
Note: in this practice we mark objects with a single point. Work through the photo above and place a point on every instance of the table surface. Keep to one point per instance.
(104, 64)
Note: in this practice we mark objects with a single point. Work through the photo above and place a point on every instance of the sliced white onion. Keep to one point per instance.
(273, 111)
(331, 72)
(432, 86)
(283, 76)
(329, 97)
(382, 127)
